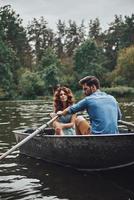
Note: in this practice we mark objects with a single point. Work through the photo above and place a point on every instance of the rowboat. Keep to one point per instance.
(89, 153)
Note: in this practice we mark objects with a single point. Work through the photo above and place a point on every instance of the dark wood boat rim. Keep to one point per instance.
(75, 136)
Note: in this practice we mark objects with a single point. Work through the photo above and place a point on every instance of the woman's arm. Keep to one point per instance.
(70, 124)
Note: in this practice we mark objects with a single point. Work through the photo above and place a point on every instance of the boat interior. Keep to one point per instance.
(123, 128)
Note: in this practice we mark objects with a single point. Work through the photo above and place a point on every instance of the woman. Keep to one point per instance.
(64, 125)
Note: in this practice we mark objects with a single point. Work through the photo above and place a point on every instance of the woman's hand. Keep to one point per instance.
(52, 115)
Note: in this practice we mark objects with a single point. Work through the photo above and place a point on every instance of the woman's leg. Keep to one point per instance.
(58, 128)
(82, 126)
(56, 125)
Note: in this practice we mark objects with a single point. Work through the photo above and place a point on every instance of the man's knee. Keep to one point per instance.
(82, 126)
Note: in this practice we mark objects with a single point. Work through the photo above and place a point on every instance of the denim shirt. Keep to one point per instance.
(103, 111)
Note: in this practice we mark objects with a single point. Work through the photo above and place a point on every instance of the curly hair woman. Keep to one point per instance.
(65, 125)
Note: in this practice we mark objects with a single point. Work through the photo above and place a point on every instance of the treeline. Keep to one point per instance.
(35, 59)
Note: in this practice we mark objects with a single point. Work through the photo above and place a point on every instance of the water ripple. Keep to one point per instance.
(29, 179)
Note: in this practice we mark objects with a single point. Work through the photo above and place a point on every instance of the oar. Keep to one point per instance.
(126, 123)
(37, 131)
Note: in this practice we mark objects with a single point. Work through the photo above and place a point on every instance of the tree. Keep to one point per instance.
(120, 34)
(60, 39)
(14, 35)
(50, 69)
(40, 36)
(95, 32)
(48, 58)
(74, 37)
(89, 60)
(127, 38)
(51, 78)
(7, 62)
(124, 72)
(30, 85)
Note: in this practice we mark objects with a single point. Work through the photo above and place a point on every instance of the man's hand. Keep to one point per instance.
(59, 113)
(64, 112)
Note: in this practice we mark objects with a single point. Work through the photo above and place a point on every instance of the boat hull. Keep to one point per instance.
(96, 152)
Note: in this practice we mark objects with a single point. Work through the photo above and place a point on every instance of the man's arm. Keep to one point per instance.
(80, 106)
(64, 112)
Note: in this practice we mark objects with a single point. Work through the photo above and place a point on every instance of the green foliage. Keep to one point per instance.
(40, 36)
(14, 50)
(124, 73)
(84, 55)
(74, 37)
(95, 32)
(63, 57)
(120, 91)
(48, 58)
(127, 36)
(68, 38)
(14, 35)
(51, 78)
(31, 85)
(7, 61)
(50, 69)
(60, 38)
(89, 60)
(119, 35)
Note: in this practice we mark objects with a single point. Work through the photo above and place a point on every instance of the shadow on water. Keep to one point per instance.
(41, 179)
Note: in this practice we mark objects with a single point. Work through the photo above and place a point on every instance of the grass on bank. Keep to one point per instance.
(120, 91)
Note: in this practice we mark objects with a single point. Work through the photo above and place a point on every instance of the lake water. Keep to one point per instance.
(26, 178)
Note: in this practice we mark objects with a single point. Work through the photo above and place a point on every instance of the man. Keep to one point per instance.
(103, 109)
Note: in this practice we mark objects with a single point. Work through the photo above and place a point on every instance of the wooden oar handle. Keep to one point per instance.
(52, 120)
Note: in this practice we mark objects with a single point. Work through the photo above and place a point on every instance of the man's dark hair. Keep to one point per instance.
(90, 80)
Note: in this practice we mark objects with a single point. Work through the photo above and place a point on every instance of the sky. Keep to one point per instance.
(77, 10)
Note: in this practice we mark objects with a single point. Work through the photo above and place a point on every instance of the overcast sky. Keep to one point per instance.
(76, 10)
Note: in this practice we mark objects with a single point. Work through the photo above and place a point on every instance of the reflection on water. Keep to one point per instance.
(32, 179)
(26, 178)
